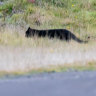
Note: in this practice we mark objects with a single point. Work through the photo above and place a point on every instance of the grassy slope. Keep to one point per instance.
(74, 14)
(79, 16)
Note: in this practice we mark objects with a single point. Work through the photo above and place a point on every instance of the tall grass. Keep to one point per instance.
(78, 16)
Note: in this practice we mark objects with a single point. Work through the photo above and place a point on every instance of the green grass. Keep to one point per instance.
(76, 14)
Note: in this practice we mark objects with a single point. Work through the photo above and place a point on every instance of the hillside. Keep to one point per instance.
(70, 14)
(20, 53)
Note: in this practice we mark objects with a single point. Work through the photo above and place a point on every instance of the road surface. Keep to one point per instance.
(50, 84)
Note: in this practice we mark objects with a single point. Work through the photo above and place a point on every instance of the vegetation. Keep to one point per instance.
(70, 14)
(78, 16)
(59, 68)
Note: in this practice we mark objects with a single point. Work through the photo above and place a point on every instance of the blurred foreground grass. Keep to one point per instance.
(90, 66)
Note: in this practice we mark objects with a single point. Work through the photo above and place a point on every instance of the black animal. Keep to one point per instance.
(62, 34)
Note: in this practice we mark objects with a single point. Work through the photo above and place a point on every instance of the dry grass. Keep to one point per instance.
(19, 54)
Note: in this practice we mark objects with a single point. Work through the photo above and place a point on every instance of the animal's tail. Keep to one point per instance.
(77, 39)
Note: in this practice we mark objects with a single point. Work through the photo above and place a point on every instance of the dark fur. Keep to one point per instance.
(62, 34)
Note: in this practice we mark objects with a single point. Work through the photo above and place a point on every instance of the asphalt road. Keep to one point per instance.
(50, 84)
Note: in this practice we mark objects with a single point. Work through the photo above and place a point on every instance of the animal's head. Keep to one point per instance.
(29, 32)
